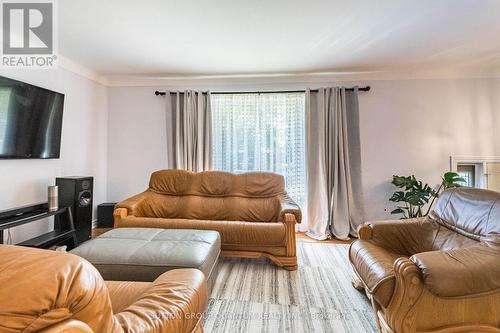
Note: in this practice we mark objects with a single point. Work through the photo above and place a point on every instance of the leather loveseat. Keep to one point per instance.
(54, 292)
(434, 274)
(251, 211)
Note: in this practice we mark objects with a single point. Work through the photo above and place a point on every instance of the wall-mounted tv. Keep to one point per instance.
(30, 120)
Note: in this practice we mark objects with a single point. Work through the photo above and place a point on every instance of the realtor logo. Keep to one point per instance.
(28, 34)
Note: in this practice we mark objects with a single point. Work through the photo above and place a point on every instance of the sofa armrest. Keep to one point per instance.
(42, 289)
(288, 206)
(400, 236)
(175, 302)
(460, 272)
(133, 204)
(289, 215)
(129, 206)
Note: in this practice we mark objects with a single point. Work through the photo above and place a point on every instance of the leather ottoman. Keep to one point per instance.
(143, 254)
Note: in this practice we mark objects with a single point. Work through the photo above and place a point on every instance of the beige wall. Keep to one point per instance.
(414, 126)
(407, 126)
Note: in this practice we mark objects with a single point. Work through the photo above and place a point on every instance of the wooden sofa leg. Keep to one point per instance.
(290, 268)
(357, 284)
(288, 263)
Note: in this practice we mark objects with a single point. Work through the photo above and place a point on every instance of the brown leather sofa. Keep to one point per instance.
(52, 292)
(435, 274)
(251, 211)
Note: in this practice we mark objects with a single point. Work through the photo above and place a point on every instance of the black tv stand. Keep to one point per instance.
(65, 234)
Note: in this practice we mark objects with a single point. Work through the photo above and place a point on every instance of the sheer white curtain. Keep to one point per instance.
(261, 132)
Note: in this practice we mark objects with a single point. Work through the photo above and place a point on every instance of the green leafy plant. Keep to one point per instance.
(414, 194)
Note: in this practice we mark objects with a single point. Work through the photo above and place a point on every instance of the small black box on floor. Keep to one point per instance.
(105, 215)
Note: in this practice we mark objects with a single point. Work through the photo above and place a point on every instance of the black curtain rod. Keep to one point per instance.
(163, 93)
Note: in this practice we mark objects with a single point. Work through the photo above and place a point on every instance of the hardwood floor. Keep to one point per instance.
(302, 237)
(99, 231)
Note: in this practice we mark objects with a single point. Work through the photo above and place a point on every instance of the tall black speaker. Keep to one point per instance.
(77, 192)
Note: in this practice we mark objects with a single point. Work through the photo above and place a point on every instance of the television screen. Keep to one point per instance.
(30, 120)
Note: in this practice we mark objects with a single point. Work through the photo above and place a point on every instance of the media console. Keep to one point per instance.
(63, 234)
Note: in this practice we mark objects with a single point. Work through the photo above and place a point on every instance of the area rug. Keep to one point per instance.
(256, 296)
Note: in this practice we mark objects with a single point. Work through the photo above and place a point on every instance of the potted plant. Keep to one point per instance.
(414, 194)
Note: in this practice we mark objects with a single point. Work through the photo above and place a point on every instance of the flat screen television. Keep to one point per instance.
(30, 120)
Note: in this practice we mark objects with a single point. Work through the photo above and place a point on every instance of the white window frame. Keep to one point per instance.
(480, 163)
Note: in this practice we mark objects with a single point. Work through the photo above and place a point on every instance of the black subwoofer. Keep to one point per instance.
(77, 192)
(105, 215)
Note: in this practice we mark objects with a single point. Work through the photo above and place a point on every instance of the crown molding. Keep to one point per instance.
(297, 78)
(223, 80)
(233, 79)
(79, 69)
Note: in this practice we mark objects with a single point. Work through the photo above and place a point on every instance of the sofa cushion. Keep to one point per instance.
(375, 267)
(143, 254)
(217, 183)
(197, 207)
(447, 239)
(478, 269)
(231, 232)
(474, 213)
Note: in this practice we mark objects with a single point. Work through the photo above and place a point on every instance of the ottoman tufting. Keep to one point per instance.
(143, 254)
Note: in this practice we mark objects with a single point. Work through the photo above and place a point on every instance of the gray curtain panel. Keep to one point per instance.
(189, 129)
(334, 198)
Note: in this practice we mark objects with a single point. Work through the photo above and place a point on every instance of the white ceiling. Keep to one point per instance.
(227, 37)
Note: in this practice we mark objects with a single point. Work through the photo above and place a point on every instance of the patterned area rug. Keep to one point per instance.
(255, 296)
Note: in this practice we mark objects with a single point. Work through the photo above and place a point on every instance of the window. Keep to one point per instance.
(261, 132)
(467, 172)
(478, 171)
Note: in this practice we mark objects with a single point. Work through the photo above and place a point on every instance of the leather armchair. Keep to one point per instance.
(251, 211)
(52, 292)
(434, 274)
